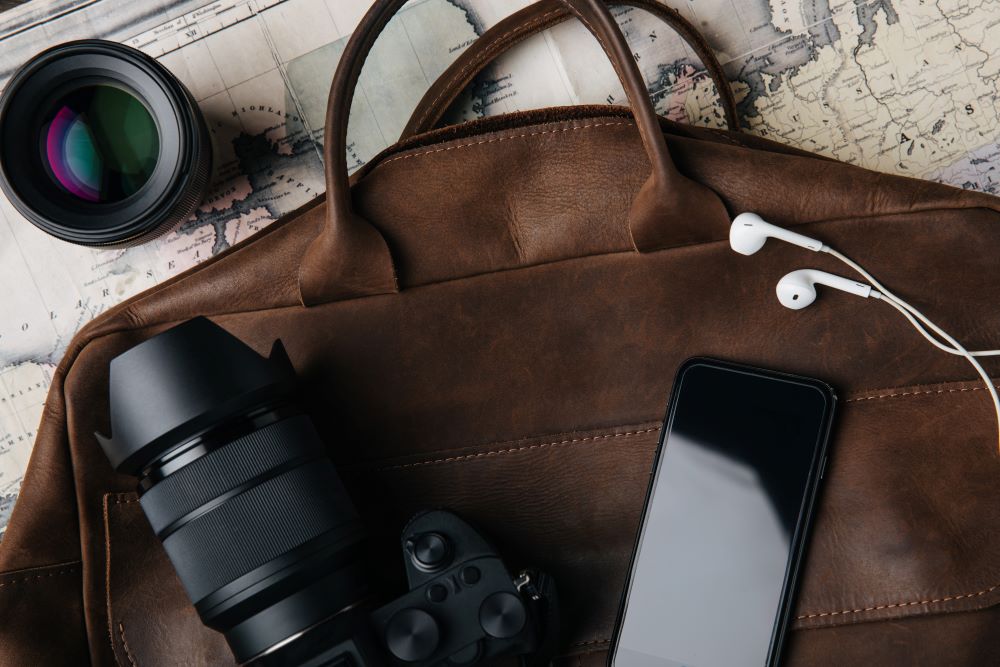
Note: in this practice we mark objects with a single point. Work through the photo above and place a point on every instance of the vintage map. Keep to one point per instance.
(904, 86)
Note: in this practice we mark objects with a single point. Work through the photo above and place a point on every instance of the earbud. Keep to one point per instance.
(798, 289)
(749, 232)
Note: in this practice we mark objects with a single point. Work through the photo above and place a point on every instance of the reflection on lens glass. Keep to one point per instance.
(100, 144)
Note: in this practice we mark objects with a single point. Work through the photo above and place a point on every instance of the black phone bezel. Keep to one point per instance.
(806, 514)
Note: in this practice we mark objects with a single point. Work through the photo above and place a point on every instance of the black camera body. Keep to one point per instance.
(236, 483)
(463, 606)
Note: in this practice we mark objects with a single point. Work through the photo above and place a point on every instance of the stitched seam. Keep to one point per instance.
(69, 357)
(488, 53)
(928, 392)
(592, 642)
(120, 499)
(128, 653)
(632, 104)
(901, 604)
(35, 577)
(107, 576)
(496, 140)
(514, 450)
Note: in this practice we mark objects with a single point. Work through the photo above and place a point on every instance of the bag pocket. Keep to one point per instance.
(149, 618)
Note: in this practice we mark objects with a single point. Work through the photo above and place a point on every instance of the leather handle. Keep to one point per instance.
(537, 18)
(350, 258)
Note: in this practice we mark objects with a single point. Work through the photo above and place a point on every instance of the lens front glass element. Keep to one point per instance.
(99, 144)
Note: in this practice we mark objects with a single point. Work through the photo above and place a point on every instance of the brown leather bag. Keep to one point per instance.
(489, 319)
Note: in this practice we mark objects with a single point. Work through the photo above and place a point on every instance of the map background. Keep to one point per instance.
(902, 86)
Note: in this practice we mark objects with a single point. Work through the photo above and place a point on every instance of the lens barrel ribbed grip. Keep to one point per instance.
(247, 502)
(228, 467)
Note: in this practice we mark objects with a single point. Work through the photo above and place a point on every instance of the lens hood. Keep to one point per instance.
(173, 387)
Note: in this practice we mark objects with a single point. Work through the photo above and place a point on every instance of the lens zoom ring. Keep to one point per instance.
(228, 467)
(258, 525)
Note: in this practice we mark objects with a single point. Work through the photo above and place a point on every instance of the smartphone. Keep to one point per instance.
(726, 520)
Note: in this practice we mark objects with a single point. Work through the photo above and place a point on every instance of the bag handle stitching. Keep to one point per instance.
(497, 140)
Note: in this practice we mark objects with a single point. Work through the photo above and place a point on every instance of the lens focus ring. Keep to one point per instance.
(228, 468)
(256, 526)
(240, 505)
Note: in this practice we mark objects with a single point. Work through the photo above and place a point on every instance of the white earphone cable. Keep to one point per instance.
(909, 312)
(877, 285)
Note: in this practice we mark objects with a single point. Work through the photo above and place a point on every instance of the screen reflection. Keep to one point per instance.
(731, 480)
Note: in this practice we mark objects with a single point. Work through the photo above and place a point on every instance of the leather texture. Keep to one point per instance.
(498, 346)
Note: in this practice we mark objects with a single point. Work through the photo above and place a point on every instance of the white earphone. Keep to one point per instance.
(749, 233)
(797, 290)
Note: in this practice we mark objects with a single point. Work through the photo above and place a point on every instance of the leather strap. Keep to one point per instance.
(350, 258)
(537, 18)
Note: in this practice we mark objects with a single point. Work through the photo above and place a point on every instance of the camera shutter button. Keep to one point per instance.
(502, 615)
(412, 635)
(431, 551)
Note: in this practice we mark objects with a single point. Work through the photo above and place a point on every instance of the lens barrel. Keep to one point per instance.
(100, 145)
(235, 482)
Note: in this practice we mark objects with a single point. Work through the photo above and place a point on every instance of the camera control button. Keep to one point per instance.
(502, 615)
(437, 593)
(471, 575)
(431, 551)
(412, 635)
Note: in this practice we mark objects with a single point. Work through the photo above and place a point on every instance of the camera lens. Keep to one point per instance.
(100, 145)
(235, 482)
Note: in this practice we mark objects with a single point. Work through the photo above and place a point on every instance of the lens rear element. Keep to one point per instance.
(100, 143)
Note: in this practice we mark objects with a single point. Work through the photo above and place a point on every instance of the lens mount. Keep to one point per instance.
(161, 195)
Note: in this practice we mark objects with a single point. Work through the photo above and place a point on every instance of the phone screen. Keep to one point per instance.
(732, 489)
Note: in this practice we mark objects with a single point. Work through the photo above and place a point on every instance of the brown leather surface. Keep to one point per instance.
(537, 18)
(521, 371)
